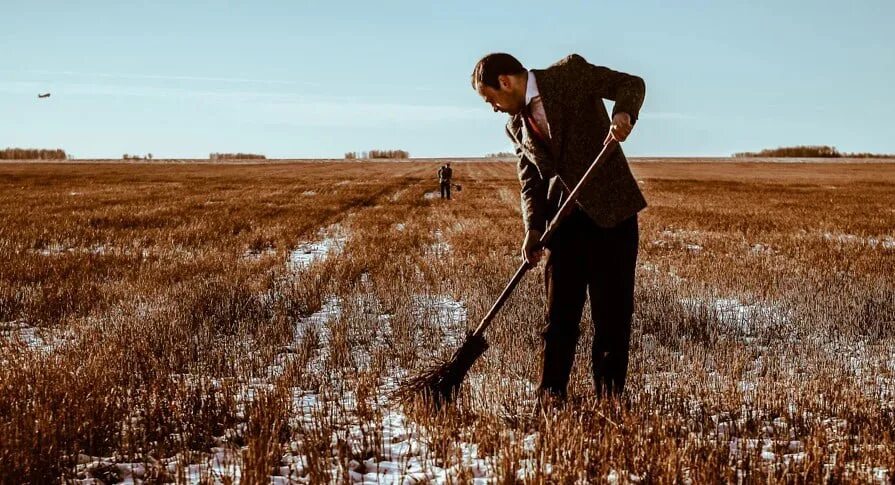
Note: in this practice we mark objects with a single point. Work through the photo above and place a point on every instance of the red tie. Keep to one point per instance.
(534, 125)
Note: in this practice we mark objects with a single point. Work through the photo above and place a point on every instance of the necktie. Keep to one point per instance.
(533, 125)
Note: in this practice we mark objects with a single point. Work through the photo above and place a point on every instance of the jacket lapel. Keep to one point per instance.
(550, 97)
(530, 145)
(523, 138)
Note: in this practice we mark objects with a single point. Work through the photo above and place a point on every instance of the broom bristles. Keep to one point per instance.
(440, 384)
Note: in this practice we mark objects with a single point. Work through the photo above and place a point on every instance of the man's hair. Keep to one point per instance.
(492, 66)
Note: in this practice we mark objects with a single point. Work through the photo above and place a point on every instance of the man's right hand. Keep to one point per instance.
(531, 247)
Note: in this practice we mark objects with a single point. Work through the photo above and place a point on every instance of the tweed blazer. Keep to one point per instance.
(572, 91)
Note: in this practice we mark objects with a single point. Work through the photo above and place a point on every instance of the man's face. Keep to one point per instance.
(507, 99)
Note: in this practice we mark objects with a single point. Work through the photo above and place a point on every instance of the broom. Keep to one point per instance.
(440, 384)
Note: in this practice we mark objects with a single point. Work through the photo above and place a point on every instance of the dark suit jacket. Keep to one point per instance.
(445, 174)
(572, 91)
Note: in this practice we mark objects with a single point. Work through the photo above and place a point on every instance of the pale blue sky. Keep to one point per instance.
(319, 78)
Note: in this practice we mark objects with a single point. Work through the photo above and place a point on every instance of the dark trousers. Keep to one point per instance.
(585, 259)
(445, 189)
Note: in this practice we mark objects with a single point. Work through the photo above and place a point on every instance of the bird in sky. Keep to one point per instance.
(44, 95)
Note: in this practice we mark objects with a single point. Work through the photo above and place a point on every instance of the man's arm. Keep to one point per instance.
(627, 90)
(533, 191)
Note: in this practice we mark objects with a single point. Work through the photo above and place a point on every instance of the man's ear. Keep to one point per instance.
(504, 80)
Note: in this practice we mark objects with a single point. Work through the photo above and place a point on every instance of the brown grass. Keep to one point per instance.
(164, 299)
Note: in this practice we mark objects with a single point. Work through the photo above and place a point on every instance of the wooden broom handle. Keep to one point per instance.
(564, 211)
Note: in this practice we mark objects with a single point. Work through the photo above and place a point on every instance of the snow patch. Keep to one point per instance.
(737, 315)
(314, 326)
(679, 238)
(886, 242)
(440, 247)
(332, 239)
(56, 249)
(34, 338)
(446, 313)
(256, 254)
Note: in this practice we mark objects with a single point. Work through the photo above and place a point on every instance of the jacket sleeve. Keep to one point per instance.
(533, 191)
(627, 90)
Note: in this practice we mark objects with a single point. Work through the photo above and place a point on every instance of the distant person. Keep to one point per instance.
(558, 124)
(445, 174)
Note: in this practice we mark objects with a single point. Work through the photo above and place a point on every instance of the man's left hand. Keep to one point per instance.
(620, 128)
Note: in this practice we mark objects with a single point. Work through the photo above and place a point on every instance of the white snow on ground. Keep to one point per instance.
(615, 477)
(440, 247)
(317, 325)
(259, 254)
(759, 248)
(220, 466)
(871, 365)
(747, 318)
(446, 313)
(404, 449)
(406, 455)
(332, 239)
(886, 242)
(57, 249)
(680, 238)
(789, 450)
(35, 338)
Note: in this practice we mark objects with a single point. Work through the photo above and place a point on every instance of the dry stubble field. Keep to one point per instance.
(217, 322)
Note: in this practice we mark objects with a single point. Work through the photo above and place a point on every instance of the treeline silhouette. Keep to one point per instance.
(501, 155)
(32, 154)
(377, 154)
(236, 156)
(807, 151)
(128, 156)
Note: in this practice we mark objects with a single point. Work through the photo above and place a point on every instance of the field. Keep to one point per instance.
(220, 322)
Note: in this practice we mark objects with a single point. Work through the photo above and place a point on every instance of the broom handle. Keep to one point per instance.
(564, 211)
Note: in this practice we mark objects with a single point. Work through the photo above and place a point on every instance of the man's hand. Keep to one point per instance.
(620, 129)
(531, 247)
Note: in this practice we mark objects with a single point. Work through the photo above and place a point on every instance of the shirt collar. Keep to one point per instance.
(531, 89)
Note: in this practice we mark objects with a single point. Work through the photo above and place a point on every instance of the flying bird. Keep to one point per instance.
(45, 95)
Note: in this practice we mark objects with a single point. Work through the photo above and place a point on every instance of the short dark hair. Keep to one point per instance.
(492, 66)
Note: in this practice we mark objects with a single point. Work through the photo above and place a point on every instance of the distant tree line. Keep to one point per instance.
(501, 155)
(377, 154)
(822, 151)
(32, 154)
(236, 156)
(128, 156)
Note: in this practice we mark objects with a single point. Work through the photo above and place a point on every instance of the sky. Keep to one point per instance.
(316, 79)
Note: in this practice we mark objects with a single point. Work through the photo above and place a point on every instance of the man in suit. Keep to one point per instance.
(558, 125)
(445, 174)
